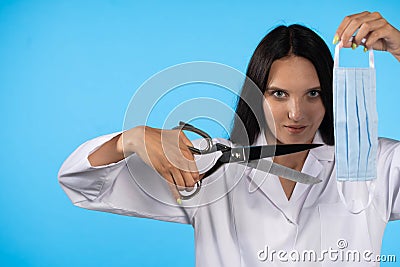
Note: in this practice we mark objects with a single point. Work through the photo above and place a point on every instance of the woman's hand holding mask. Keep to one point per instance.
(370, 30)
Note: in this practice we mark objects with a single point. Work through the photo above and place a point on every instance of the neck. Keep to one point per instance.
(294, 161)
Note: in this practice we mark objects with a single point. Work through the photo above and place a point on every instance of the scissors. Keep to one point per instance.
(250, 156)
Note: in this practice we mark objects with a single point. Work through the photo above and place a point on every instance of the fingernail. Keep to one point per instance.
(353, 46)
(365, 49)
(335, 39)
(179, 201)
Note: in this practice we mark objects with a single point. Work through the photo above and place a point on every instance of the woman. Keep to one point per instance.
(279, 221)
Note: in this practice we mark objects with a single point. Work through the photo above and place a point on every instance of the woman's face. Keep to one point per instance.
(293, 94)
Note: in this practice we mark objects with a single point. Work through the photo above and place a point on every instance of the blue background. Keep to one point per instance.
(67, 72)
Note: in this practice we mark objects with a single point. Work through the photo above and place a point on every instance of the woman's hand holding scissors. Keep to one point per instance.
(166, 151)
(370, 30)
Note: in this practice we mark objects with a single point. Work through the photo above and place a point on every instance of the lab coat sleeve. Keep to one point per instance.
(388, 177)
(128, 187)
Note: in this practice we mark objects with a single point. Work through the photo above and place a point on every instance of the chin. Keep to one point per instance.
(295, 140)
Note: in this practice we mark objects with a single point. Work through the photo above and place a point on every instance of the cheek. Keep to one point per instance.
(270, 113)
(318, 113)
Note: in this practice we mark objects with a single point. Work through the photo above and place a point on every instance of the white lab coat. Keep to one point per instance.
(241, 217)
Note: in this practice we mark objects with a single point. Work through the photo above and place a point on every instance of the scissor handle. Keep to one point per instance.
(189, 195)
(191, 128)
(188, 127)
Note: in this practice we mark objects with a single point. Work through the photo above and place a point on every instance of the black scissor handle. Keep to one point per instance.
(188, 127)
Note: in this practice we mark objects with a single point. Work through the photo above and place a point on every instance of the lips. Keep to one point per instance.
(295, 129)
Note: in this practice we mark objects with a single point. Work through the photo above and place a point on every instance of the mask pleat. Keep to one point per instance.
(352, 124)
(363, 128)
(340, 125)
(372, 115)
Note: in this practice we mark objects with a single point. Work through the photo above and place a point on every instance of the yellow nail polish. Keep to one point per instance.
(335, 39)
(353, 46)
(179, 201)
(365, 49)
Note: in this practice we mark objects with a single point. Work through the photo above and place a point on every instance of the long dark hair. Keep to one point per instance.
(282, 41)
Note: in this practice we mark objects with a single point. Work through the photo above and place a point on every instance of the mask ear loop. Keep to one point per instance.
(336, 57)
(352, 209)
(371, 59)
(370, 184)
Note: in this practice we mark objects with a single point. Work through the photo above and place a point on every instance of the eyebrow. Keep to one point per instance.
(281, 89)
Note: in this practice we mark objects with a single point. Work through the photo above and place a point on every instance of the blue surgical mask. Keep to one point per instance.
(356, 129)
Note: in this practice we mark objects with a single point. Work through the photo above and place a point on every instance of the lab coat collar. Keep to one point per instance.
(325, 152)
(270, 184)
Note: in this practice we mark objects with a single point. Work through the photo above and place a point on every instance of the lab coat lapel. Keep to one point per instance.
(268, 183)
(312, 166)
(271, 187)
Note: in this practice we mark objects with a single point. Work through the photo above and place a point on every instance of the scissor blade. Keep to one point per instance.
(282, 171)
(293, 148)
(258, 152)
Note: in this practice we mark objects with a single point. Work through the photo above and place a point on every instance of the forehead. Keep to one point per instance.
(293, 72)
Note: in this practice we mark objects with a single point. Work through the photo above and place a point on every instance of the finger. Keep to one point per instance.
(184, 139)
(187, 165)
(345, 22)
(184, 144)
(194, 171)
(191, 163)
(190, 167)
(186, 153)
(179, 181)
(353, 27)
(174, 190)
(366, 29)
(189, 181)
(376, 39)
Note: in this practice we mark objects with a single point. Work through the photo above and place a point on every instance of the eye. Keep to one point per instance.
(279, 94)
(314, 93)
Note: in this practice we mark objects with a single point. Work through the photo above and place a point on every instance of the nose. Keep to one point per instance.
(295, 110)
